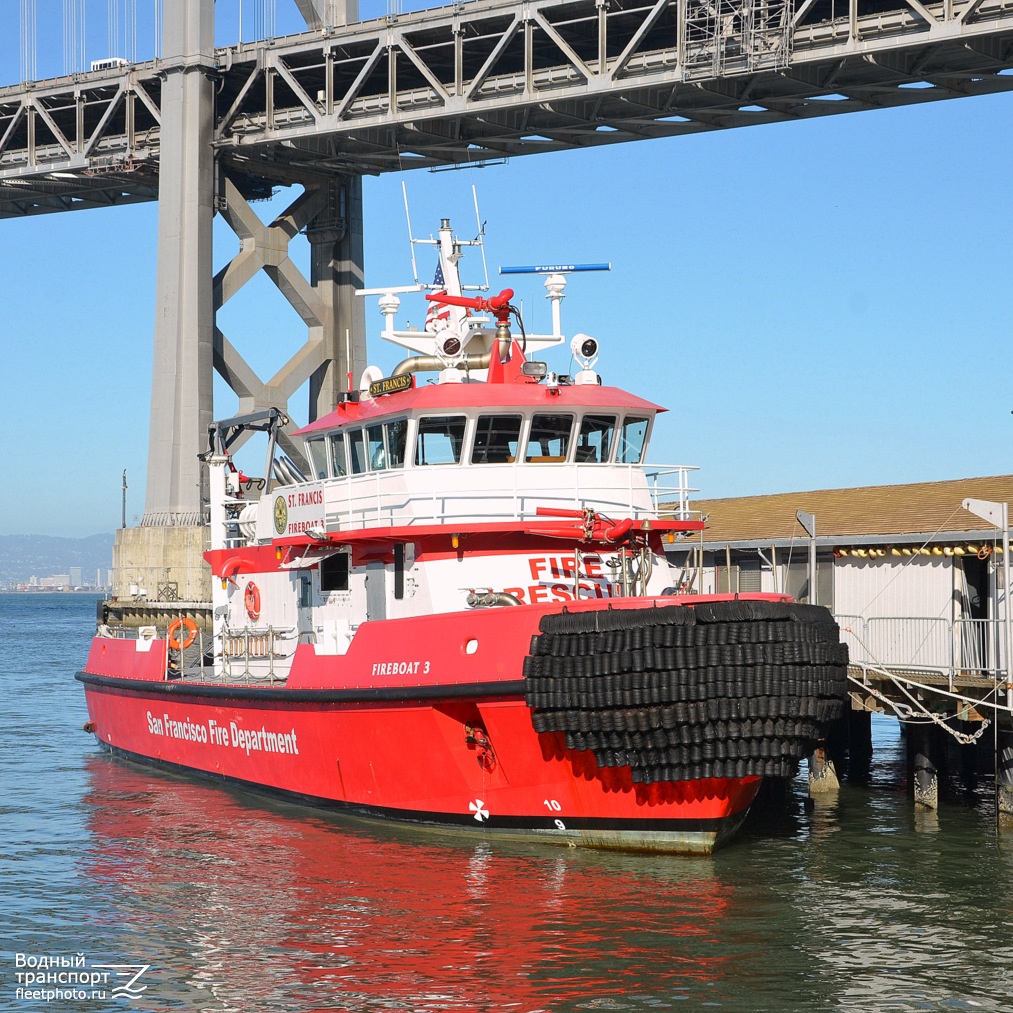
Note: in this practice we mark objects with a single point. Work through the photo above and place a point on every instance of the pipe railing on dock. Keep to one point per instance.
(956, 649)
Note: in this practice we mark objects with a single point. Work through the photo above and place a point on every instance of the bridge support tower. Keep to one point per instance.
(160, 561)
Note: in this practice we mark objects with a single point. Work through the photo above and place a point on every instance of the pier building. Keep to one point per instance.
(918, 584)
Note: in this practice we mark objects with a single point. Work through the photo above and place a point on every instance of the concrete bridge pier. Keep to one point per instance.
(160, 553)
(161, 561)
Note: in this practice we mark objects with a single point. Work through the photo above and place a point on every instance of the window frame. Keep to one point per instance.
(321, 443)
(526, 458)
(645, 443)
(467, 437)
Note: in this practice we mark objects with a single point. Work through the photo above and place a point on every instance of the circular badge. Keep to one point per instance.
(280, 515)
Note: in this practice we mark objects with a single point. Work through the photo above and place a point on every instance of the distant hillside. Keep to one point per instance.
(25, 556)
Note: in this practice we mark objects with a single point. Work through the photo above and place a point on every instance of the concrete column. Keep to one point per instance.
(181, 391)
(1004, 777)
(336, 271)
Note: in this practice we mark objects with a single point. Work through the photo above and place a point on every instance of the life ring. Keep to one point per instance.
(984, 552)
(186, 623)
(251, 599)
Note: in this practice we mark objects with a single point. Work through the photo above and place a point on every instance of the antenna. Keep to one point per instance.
(554, 268)
(481, 234)
(411, 239)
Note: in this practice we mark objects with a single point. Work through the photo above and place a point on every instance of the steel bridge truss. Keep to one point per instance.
(322, 213)
(492, 78)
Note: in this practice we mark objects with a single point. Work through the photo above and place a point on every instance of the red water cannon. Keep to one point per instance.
(498, 305)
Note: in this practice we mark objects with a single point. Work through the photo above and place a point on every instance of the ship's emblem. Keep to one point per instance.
(280, 514)
(478, 808)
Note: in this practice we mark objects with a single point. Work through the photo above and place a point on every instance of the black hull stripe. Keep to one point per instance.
(251, 694)
(720, 827)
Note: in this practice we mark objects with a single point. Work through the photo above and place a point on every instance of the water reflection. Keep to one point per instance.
(276, 909)
(848, 903)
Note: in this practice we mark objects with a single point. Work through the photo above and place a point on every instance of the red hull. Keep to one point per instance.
(412, 762)
(455, 751)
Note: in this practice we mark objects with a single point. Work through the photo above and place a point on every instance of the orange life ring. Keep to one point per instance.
(251, 599)
(186, 623)
(984, 552)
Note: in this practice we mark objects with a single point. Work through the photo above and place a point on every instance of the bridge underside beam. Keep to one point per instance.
(497, 79)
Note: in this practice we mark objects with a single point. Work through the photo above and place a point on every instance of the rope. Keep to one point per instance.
(907, 712)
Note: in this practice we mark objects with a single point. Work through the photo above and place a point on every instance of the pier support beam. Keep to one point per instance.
(165, 552)
(331, 216)
(924, 776)
(859, 744)
(1004, 778)
(822, 774)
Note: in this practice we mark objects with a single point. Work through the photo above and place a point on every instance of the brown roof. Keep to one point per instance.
(922, 508)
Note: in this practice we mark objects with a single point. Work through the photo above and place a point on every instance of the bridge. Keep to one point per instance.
(208, 130)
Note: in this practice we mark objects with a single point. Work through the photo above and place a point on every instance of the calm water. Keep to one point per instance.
(240, 905)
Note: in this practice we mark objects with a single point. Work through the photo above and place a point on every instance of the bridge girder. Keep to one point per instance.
(497, 78)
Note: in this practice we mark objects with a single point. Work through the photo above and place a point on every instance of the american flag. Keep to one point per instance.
(437, 310)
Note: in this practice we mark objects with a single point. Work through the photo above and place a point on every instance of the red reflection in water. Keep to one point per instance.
(281, 909)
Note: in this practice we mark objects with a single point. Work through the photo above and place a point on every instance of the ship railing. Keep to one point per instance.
(380, 499)
(954, 648)
(259, 651)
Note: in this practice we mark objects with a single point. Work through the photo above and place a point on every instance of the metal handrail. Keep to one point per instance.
(370, 501)
(927, 644)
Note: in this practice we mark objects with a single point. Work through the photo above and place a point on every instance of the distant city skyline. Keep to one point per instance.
(101, 581)
(821, 304)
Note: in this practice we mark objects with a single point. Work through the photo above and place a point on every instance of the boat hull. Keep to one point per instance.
(468, 760)
(632, 726)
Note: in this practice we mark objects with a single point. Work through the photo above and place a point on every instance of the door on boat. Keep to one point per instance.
(376, 590)
(304, 614)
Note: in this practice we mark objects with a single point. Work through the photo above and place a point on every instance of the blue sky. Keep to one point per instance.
(820, 304)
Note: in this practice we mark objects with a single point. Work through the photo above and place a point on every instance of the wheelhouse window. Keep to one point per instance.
(357, 451)
(397, 437)
(375, 450)
(595, 440)
(439, 439)
(496, 439)
(633, 440)
(318, 457)
(549, 438)
(339, 460)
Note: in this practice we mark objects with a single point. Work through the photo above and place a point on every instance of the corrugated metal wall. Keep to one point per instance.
(894, 586)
